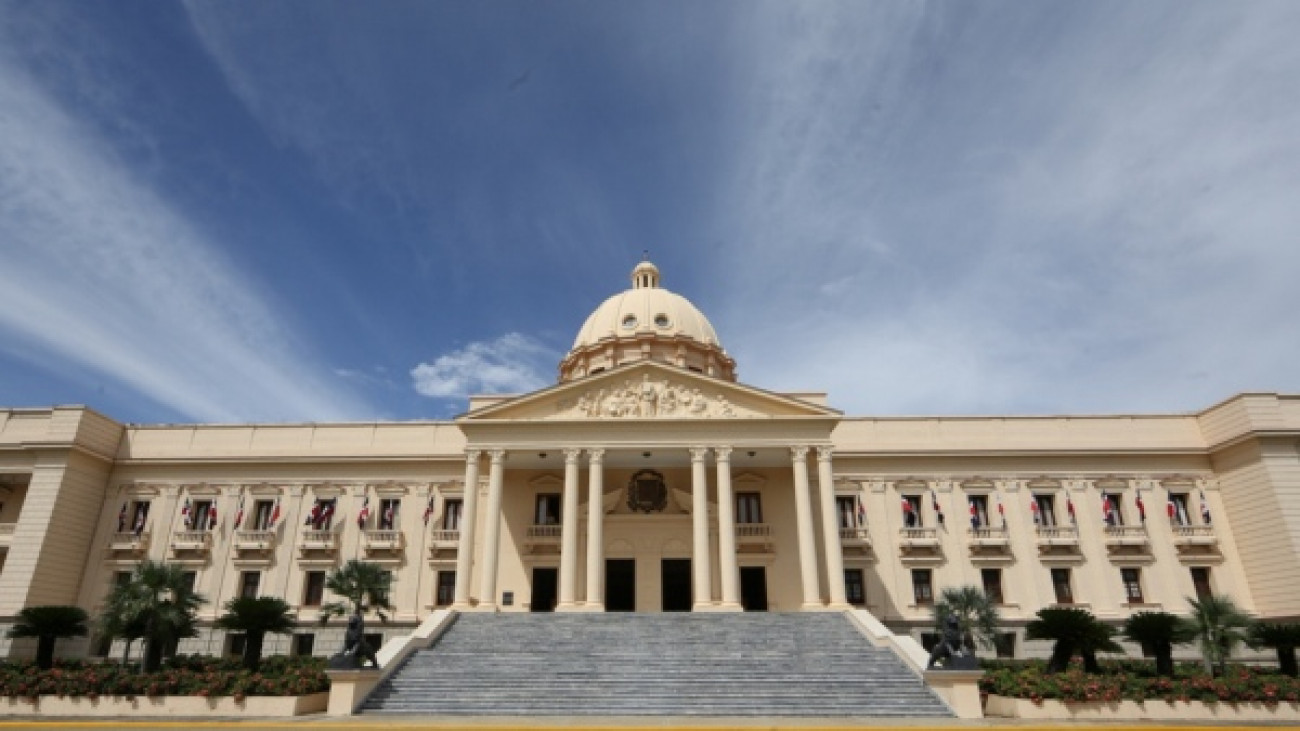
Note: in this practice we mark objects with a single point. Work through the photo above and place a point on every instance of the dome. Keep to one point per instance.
(663, 325)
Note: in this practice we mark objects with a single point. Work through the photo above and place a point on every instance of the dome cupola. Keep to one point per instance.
(647, 322)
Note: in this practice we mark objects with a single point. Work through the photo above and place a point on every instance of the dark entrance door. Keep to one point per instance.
(676, 583)
(545, 582)
(753, 588)
(620, 585)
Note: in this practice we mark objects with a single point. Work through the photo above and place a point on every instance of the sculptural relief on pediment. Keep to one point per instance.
(650, 398)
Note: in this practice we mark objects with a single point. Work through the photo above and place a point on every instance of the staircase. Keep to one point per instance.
(753, 664)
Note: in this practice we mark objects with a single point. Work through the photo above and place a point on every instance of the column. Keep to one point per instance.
(727, 532)
(804, 522)
(700, 558)
(569, 531)
(468, 519)
(492, 531)
(596, 531)
(831, 530)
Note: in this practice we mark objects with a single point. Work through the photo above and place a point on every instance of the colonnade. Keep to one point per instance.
(701, 564)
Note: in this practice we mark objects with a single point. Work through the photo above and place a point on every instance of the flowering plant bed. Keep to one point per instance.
(1135, 680)
(203, 677)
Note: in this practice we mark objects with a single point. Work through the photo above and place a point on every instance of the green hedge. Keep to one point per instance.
(1135, 680)
(192, 675)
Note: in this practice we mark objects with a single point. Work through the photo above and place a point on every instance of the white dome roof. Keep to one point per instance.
(646, 308)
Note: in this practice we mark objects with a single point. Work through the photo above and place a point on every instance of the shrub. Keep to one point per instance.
(184, 675)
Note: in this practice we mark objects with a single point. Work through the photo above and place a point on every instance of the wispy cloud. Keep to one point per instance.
(100, 270)
(512, 363)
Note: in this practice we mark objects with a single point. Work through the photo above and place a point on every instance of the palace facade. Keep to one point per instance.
(649, 479)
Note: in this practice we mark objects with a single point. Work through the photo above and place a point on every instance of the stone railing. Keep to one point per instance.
(383, 540)
(855, 537)
(1125, 535)
(446, 538)
(191, 540)
(129, 541)
(918, 537)
(254, 540)
(989, 535)
(318, 540)
(1057, 535)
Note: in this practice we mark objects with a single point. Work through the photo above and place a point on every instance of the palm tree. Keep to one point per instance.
(255, 616)
(47, 624)
(1158, 632)
(1218, 626)
(1075, 631)
(118, 620)
(365, 585)
(977, 617)
(158, 604)
(1284, 638)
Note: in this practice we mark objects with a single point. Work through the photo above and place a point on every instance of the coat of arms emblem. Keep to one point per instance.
(646, 492)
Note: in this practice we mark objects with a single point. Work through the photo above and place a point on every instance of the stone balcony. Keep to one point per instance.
(1057, 538)
(1195, 540)
(317, 542)
(1126, 538)
(919, 544)
(191, 543)
(855, 537)
(129, 542)
(988, 540)
(382, 542)
(247, 542)
(753, 538)
(542, 539)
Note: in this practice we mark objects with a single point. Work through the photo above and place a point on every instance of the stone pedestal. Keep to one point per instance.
(960, 689)
(348, 688)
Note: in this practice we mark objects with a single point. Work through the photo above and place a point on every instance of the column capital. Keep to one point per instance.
(497, 455)
(596, 455)
(799, 453)
(724, 453)
(571, 454)
(824, 453)
(699, 454)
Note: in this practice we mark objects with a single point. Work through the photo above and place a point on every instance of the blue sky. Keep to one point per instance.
(303, 211)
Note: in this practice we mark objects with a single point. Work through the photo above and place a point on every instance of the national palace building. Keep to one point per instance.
(649, 479)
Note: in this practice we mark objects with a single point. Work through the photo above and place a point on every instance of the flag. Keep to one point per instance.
(364, 515)
(326, 514)
(275, 514)
(186, 518)
(212, 515)
(1142, 508)
(428, 510)
(938, 511)
(1171, 509)
(909, 513)
(862, 512)
(239, 515)
(388, 515)
(1205, 509)
(1107, 509)
(313, 518)
(1002, 512)
(121, 519)
(974, 516)
(1033, 508)
(1069, 508)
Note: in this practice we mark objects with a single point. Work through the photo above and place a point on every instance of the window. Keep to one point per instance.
(451, 510)
(1005, 644)
(1181, 515)
(121, 578)
(1061, 584)
(201, 518)
(629, 322)
(922, 591)
(189, 579)
(749, 507)
(548, 509)
(1112, 508)
(1046, 512)
(303, 644)
(661, 320)
(912, 511)
(374, 639)
(1201, 582)
(992, 584)
(446, 589)
(979, 511)
(854, 590)
(139, 516)
(248, 581)
(1132, 579)
(262, 512)
(388, 513)
(321, 516)
(846, 506)
(235, 644)
(313, 588)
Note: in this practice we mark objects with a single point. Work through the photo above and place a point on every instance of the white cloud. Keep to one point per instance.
(513, 363)
(99, 270)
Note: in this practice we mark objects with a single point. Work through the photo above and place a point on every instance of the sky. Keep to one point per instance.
(334, 211)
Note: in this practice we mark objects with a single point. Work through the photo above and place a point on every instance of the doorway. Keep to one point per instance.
(620, 585)
(676, 584)
(545, 582)
(753, 588)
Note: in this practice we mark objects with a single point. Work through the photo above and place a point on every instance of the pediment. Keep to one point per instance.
(648, 391)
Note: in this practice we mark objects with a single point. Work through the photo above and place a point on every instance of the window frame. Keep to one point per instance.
(1062, 578)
